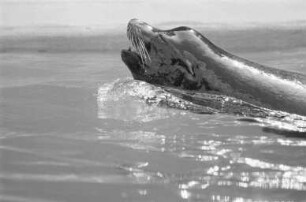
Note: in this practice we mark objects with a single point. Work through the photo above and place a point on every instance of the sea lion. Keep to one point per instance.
(183, 58)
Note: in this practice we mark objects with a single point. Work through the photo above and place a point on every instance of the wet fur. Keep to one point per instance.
(185, 59)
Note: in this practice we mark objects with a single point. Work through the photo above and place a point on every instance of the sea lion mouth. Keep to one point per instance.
(133, 61)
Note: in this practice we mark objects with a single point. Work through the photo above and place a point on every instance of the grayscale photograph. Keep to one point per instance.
(152, 100)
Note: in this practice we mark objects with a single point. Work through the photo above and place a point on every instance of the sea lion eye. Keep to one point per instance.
(170, 33)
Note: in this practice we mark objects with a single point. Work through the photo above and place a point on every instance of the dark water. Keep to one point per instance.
(74, 127)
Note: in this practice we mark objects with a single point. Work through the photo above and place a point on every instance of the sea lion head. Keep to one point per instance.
(163, 56)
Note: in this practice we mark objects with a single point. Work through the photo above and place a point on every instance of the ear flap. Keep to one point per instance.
(189, 67)
(191, 62)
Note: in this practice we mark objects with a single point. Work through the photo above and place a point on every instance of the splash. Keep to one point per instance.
(128, 99)
(132, 100)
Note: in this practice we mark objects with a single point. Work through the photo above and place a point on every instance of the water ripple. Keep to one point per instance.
(101, 179)
(11, 198)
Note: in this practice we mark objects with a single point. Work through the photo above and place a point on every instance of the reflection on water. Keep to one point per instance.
(235, 170)
(247, 162)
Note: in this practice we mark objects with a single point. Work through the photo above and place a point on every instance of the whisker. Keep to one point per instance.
(142, 50)
(134, 34)
(145, 51)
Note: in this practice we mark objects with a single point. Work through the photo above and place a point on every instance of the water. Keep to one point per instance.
(75, 127)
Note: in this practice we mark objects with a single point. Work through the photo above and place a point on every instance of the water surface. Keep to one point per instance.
(74, 128)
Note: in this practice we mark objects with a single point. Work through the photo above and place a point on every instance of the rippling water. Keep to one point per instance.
(76, 127)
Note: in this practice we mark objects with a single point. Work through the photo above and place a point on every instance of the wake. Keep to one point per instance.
(130, 99)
